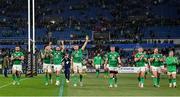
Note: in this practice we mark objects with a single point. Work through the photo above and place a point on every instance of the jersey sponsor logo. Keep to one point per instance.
(76, 55)
(67, 62)
(113, 58)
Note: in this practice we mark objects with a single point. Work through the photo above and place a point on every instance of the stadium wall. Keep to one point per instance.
(92, 70)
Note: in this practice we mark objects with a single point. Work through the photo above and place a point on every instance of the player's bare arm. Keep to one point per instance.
(136, 59)
(85, 43)
(42, 55)
(142, 57)
(93, 63)
(162, 59)
(105, 63)
(151, 59)
(119, 61)
(71, 62)
(12, 58)
(21, 58)
(62, 46)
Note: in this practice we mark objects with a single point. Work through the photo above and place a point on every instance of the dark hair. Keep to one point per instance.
(45, 45)
(18, 46)
(156, 48)
(171, 51)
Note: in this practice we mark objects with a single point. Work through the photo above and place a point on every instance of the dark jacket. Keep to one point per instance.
(6, 62)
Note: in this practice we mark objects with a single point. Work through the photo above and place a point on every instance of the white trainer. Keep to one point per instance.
(115, 85)
(158, 86)
(57, 83)
(75, 85)
(46, 83)
(142, 85)
(139, 84)
(170, 85)
(81, 84)
(14, 83)
(18, 83)
(174, 84)
(110, 86)
(51, 81)
(67, 81)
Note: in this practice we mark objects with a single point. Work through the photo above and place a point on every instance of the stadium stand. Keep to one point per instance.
(73, 19)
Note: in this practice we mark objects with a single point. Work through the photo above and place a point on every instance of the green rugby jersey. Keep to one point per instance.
(141, 63)
(77, 56)
(17, 61)
(47, 59)
(57, 57)
(171, 63)
(113, 59)
(97, 60)
(156, 62)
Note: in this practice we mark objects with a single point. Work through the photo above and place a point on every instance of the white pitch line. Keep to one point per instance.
(62, 88)
(11, 83)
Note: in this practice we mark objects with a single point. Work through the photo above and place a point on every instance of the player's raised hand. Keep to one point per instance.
(120, 64)
(87, 37)
(50, 43)
(62, 42)
(142, 56)
(105, 67)
(85, 43)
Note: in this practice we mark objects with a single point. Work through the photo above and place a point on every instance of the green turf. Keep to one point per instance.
(28, 87)
(127, 86)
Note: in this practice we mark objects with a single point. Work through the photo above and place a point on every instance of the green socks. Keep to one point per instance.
(57, 78)
(142, 80)
(106, 73)
(139, 79)
(115, 80)
(81, 77)
(158, 81)
(46, 78)
(110, 81)
(97, 73)
(50, 76)
(170, 80)
(75, 79)
(173, 80)
(155, 81)
(14, 77)
(18, 78)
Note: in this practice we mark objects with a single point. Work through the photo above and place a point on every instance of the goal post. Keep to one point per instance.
(31, 40)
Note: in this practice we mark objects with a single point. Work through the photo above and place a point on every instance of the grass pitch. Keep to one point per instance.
(127, 86)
